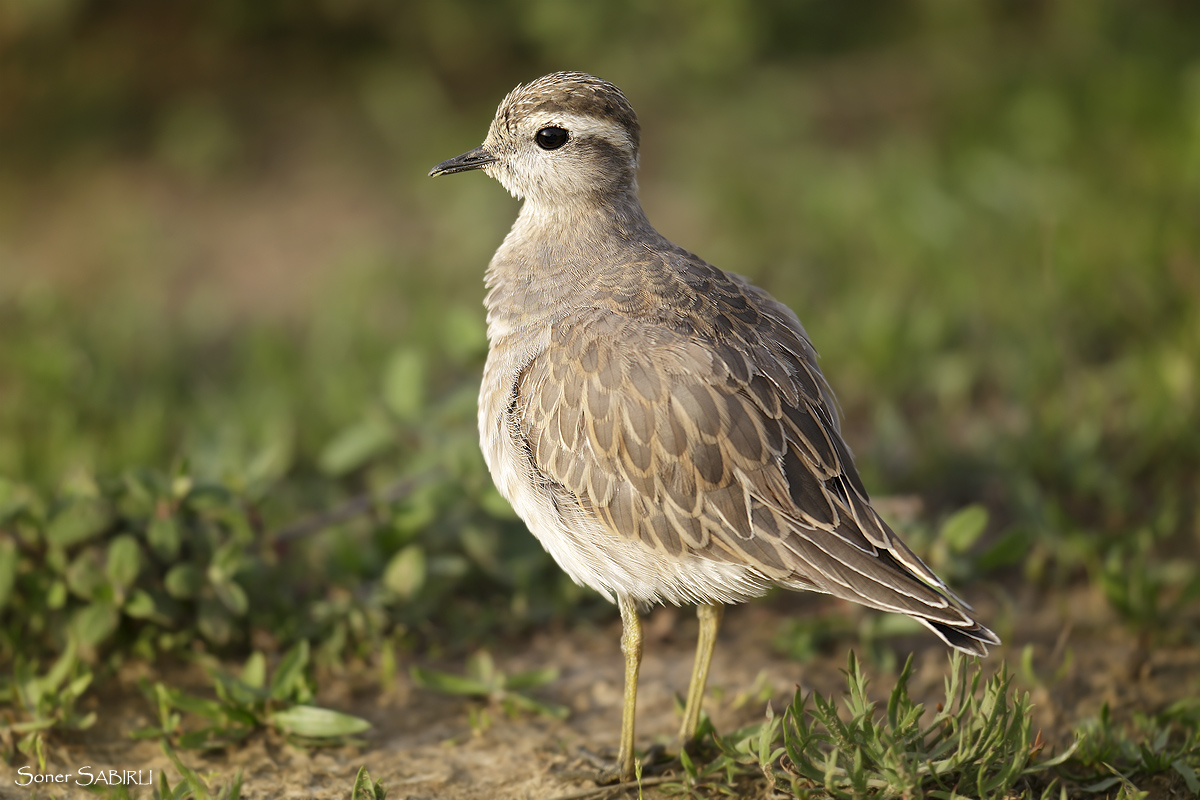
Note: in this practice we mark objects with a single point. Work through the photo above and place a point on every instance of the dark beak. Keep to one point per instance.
(472, 159)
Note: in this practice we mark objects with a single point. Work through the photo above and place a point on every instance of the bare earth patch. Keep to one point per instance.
(423, 745)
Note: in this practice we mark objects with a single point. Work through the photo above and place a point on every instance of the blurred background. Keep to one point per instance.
(231, 299)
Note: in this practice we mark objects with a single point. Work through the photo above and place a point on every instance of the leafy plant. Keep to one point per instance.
(250, 702)
(192, 785)
(43, 703)
(485, 682)
(1143, 589)
(1113, 755)
(162, 553)
(978, 742)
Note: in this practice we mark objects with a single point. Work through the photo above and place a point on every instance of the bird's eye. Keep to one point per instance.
(551, 138)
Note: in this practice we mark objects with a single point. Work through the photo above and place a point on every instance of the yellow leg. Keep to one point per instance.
(710, 622)
(631, 646)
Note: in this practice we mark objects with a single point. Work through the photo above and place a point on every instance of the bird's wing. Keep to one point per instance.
(712, 432)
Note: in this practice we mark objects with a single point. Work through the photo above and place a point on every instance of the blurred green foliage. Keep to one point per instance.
(986, 215)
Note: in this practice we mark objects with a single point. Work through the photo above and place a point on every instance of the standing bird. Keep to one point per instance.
(661, 425)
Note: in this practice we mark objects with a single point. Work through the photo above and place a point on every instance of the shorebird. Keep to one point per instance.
(661, 425)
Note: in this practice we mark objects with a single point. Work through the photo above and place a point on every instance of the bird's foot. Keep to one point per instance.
(607, 771)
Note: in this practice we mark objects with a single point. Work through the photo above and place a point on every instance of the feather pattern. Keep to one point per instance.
(661, 425)
(701, 427)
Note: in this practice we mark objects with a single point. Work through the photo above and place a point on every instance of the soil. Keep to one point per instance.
(424, 745)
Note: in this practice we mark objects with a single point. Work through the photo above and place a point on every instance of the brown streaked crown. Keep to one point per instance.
(572, 93)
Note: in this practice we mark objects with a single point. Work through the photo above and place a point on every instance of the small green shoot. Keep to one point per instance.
(365, 789)
(192, 785)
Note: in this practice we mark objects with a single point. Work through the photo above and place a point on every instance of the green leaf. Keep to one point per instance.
(140, 605)
(124, 561)
(275, 457)
(84, 576)
(364, 789)
(482, 546)
(33, 725)
(962, 529)
(404, 383)
(482, 667)
(189, 704)
(213, 621)
(405, 573)
(254, 672)
(355, 446)
(1188, 774)
(193, 781)
(56, 595)
(207, 496)
(95, 622)
(163, 536)
(531, 679)
(289, 675)
(317, 723)
(58, 673)
(446, 683)
(77, 686)
(232, 596)
(77, 522)
(184, 581)
(242, 702)
(225, 562)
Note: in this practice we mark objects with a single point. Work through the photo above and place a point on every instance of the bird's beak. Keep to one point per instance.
(472, 159)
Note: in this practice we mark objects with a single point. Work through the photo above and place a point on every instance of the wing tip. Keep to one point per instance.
(973, 639)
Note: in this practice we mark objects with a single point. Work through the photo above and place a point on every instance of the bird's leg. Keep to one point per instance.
(710, 621)
(631, 646)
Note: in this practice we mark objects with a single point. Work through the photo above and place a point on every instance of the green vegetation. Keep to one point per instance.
(978, 743)
(240, 341)
(483, 681)
(250, 702)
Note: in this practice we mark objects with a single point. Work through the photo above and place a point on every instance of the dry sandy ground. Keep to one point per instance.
(423, 744)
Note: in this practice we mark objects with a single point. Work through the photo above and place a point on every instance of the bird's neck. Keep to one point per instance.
(583, 224)
(553, 252)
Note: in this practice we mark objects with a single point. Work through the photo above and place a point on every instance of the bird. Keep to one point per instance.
(661, 425)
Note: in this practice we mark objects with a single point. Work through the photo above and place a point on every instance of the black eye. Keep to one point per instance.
(551, 138)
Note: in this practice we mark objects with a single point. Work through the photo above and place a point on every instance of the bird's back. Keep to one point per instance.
(664, 429)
